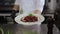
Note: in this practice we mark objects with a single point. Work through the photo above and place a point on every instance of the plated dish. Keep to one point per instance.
(29, 19)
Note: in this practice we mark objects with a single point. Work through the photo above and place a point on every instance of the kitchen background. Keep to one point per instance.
(51, 9)
(7, 5)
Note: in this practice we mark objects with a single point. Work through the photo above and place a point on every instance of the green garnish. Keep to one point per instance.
(30, 14)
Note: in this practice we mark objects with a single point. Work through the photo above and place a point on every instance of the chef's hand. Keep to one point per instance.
(37, 12)
(16, 8)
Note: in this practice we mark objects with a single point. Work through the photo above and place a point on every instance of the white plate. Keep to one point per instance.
(18, 19)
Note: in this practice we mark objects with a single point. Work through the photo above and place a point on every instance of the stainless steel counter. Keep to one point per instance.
(18, 29)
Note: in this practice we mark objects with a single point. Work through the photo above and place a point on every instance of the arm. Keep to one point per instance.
(39, 6)
(16, 5)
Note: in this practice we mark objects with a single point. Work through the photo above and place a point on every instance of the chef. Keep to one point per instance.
(29, 6)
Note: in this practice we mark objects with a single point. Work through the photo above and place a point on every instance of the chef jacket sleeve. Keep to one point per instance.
(17, 2)
(40, 5)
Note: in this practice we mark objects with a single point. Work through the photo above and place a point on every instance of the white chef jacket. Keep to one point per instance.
(28, 6)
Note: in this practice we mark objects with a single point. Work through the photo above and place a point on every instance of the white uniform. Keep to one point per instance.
(28, 6)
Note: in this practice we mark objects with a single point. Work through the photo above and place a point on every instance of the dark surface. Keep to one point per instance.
(6, 2)
(6, 6)
(3, 20)
(0, 32)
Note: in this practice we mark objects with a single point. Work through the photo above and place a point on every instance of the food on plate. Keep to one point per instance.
(29, 18)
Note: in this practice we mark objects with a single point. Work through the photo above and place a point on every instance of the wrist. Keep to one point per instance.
(37, 12)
